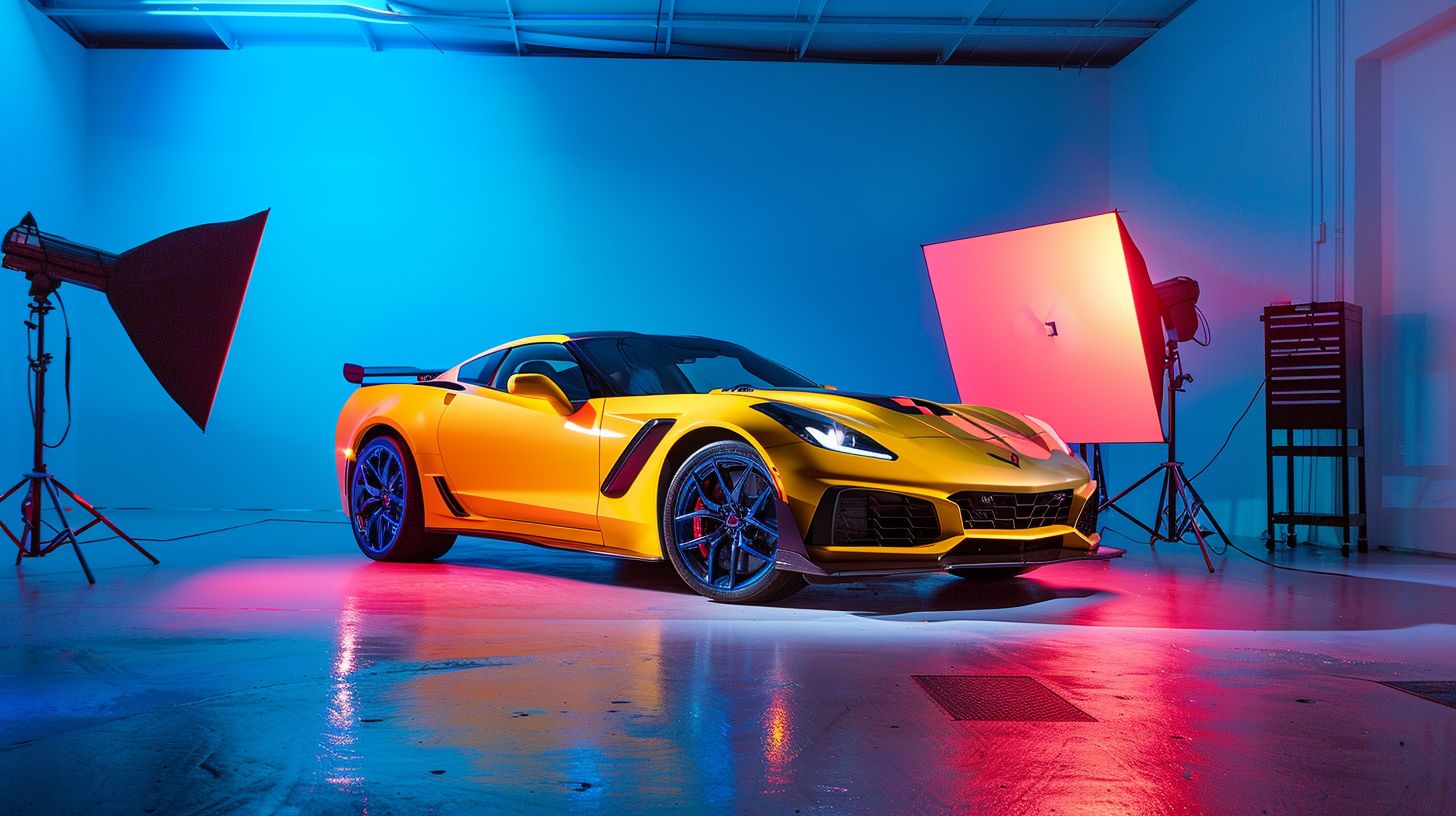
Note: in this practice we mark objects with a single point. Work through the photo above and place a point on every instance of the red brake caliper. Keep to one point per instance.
(698, 528)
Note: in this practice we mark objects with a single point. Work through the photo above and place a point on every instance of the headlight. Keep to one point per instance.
(821, 431)
(1051, 435)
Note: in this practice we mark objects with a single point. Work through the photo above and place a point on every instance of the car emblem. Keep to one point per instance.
(1010, 459)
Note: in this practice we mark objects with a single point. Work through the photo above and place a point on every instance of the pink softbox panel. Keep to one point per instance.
(1099, 378)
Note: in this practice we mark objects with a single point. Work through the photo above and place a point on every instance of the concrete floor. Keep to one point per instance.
(272, 669)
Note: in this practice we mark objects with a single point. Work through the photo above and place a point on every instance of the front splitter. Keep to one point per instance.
(862, 569)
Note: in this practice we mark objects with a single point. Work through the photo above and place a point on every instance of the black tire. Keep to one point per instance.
(382, 479)
(991, 574)
(768, 583)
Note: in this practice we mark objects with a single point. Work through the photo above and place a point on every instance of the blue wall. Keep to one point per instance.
(43, 73)
(1404, 171)
(1214, 156)
(427, 206)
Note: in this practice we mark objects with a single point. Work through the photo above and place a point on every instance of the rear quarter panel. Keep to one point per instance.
(411, 411)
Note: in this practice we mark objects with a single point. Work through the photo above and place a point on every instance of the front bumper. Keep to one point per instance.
(915, 514)
(972, 549)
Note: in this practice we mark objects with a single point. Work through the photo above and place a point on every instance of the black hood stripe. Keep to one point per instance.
(903, 405)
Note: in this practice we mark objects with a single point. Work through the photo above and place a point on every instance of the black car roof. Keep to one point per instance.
(582, 335)
(596, 334)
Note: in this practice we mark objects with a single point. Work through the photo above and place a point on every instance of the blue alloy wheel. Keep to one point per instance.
(721, 526)
(378, 496)
(385, 507)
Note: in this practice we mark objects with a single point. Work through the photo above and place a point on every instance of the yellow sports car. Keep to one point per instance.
(748, 477)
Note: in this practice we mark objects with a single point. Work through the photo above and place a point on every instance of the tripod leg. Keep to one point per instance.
(1111, 504)
(25, 532)
(24, 480)
(1203, 507)
(1130, 488)
(1181, 484)
(1130, 517)
(68, 532)
(1164, 495)
(96, 514)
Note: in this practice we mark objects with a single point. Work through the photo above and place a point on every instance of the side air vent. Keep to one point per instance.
(450, 501)
(1087, 521)
(634, 457)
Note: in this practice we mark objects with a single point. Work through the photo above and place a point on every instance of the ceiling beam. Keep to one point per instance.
(809, 34)
(515, 29)
(222, 33)
(973, 16)
(368, 34)
(401, 14)
(667, 41)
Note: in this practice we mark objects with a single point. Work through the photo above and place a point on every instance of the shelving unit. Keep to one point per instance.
(1314, 409)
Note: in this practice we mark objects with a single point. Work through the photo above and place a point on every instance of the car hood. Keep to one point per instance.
(994, 432)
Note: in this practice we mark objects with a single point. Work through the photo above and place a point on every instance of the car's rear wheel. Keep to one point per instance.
(385, 507)
(720, 528)
(990, 574)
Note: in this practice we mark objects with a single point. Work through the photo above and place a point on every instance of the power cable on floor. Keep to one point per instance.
(231, 527)
(1110, 529)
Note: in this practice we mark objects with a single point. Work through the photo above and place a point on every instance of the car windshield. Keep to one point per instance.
(641, 365)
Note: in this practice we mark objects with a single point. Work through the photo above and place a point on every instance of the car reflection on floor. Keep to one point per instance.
(274, 671)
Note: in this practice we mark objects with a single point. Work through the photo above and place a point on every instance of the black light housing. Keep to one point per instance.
(1180, 307)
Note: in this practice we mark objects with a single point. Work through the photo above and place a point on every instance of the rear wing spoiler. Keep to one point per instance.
(357, 374)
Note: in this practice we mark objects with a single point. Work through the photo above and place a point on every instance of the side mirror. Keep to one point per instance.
(541, 387)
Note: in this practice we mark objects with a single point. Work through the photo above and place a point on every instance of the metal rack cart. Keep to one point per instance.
(1314, 409)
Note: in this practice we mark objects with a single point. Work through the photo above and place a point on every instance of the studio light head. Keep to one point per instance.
(1180, 307)
(178, 297)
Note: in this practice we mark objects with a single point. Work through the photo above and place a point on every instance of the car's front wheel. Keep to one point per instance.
(385, 507)
(720, 528)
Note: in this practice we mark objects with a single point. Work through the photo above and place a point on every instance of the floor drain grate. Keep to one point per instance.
(1437, 691)
(1004, 698)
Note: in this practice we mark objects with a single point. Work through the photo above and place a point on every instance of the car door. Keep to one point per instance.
(518, 457)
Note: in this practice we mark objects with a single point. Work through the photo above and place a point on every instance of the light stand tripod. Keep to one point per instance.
(40, 485)
(1176, 484)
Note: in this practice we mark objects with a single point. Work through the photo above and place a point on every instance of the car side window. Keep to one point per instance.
(480, 370)
(549, 359)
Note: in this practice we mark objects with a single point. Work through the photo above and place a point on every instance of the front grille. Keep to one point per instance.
(1087, 520)
(873, 518)
(1013, 511)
